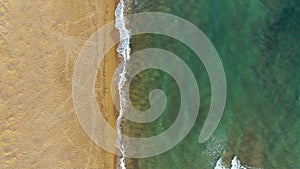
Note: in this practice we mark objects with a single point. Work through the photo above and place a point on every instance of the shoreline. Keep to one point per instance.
(103, 91)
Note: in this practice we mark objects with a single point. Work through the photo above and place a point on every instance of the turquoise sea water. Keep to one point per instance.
(259, 45)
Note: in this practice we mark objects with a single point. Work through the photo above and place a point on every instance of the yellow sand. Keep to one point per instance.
(39, 43)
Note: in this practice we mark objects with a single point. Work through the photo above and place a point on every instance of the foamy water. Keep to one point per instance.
(235, 164)
(124, 53)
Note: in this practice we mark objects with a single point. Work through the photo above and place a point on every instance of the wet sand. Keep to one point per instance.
(39, 44)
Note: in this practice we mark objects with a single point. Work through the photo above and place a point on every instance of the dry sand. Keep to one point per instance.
(39, 43)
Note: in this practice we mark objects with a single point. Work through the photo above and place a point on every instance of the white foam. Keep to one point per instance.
(124, 53)
(123, 48)
(214, 148)
(220, 165)
(235, 164)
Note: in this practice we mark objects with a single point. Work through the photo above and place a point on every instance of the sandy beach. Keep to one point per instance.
(39, 44)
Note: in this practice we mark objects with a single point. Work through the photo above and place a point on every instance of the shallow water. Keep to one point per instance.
(258, 43)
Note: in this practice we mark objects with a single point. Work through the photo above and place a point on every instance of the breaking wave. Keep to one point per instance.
(235, 164)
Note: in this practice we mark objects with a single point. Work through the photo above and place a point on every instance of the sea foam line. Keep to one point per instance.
(235, 164)
(124, 53)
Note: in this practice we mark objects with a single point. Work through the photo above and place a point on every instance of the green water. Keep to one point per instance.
(259, 45)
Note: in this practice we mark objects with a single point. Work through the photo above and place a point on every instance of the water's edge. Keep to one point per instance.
(123, 51)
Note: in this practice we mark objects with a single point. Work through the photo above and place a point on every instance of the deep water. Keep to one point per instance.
(259, 45)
